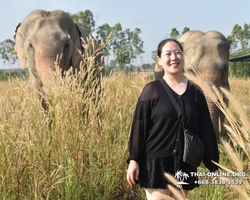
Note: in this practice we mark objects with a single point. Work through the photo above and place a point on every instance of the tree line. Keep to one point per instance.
(240, 37)
(15, 73)
(127, 46)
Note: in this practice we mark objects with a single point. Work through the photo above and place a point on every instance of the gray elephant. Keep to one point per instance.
(43, 35)
(208, 53)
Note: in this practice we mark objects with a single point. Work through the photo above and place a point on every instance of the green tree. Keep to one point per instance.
(137, 43)
(124, 56)
(240, 36)
(186, 29)
(234, 51)
(127, 47)
(147, 67)
(108, 70)
(112, 64)
(7, 52)
(174, 33)
(122, 48)
(102, 34)
(84, 19)
(154, 55)
(117, 36)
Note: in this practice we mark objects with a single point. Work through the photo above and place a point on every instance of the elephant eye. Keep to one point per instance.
(66, 47)
(30, 46)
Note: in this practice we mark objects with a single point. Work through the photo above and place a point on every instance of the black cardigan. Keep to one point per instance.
(155, 123)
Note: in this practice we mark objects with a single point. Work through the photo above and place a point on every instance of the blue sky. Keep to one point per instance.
(155, 18)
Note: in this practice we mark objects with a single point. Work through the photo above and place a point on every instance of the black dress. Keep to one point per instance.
(156, 141)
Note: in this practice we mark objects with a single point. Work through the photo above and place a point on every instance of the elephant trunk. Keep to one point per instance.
(45, 68)
(217, 118)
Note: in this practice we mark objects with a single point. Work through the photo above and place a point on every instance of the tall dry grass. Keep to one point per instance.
(74, 150)
(77, 149)
(67, 154)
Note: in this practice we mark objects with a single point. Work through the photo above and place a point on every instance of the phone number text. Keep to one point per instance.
(219, 182)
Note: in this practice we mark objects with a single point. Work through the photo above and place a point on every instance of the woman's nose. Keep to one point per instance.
(173, 56)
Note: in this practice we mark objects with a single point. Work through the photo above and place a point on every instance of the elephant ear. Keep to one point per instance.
(83, 34)
(80, 34)
(76, 57)
(19, 46)
(229, 42)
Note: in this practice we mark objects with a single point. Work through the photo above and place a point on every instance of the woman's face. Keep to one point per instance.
(171, 58)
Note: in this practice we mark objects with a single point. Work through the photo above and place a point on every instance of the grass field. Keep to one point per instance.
(78, 149)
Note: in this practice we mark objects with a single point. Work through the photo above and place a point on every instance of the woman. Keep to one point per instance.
(156, 139)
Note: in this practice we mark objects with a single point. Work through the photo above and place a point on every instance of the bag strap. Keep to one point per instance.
(176, 106)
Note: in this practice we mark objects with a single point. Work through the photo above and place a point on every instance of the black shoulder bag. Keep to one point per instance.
(194, 148)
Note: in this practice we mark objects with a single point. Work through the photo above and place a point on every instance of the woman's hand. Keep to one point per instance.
(133, 172)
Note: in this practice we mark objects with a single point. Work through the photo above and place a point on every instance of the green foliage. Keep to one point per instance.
(15, 73)
(124, 56)
(137, 42)
(154, 55)
(148, 67)
(126, 45)
(110, 67)
(7, 52)
(240, 37)
(186, 29)
(239, 69)
(174, 33)
(112, 63)
(102, 34)
(84, 19)
(129, 47)
(108, 70)
(116, 29)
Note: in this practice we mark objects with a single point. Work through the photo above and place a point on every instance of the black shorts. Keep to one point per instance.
(152, 173)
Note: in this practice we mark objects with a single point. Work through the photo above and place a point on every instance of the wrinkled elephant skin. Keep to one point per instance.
(41, 37)
(208, 53)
